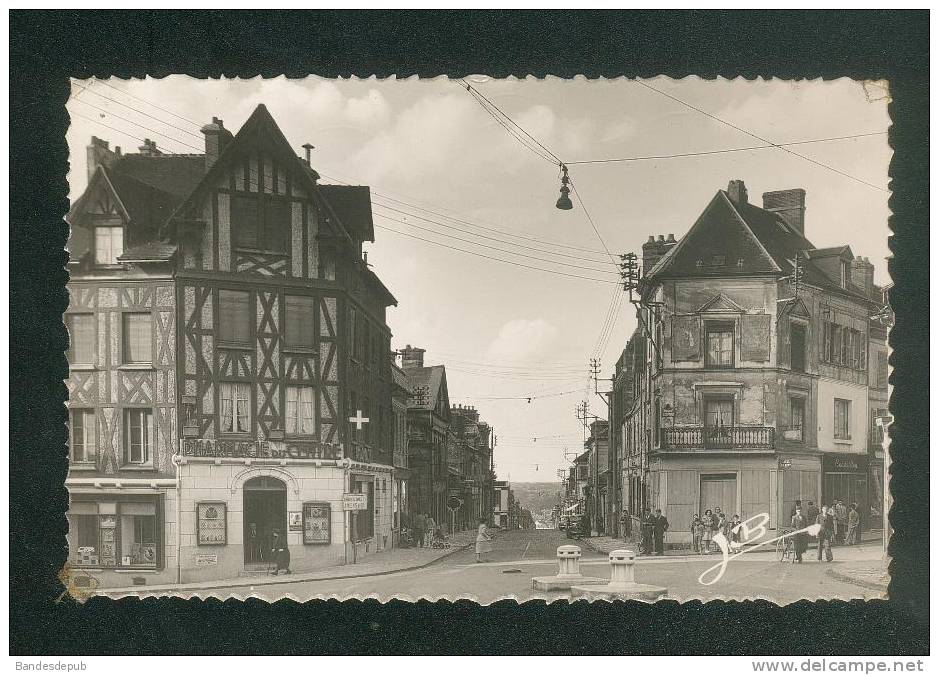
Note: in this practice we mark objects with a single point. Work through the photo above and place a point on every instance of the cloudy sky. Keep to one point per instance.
(522, 307)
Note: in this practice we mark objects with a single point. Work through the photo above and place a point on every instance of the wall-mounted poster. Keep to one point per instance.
(295, 521)
(211, 524)
(315, 523)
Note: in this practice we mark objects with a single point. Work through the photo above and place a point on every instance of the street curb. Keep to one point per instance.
(288, 579)
(848, 579)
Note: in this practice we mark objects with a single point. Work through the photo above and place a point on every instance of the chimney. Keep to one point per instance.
(217, 138)
(99, 154)
(412, 357)
(862, 274)
(737, 192)
(790, 205)
(149, 148)
(654, 249)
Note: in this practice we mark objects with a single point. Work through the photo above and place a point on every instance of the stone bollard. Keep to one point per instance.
(568, 572)
(622, 567)
(622, 584)
(569, 561)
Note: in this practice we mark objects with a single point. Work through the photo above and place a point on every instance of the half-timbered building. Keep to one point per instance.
(282, 340)
(121, 321)
(235, 329)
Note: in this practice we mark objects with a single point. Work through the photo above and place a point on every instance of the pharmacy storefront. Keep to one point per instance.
(238, 498)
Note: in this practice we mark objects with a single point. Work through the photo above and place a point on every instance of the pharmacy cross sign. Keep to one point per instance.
(358, 420)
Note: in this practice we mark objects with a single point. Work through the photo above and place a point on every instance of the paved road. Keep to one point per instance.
(518, 556)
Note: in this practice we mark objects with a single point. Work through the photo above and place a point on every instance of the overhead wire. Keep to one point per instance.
(757, 137)
(642, 158)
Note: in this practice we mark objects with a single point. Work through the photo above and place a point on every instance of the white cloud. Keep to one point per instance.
(522, 340)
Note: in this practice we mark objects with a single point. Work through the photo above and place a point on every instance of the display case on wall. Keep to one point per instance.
(316, 523)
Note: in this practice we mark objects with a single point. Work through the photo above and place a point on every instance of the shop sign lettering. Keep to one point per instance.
(212, 447)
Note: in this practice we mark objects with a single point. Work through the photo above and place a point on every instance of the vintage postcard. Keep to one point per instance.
(478, 338)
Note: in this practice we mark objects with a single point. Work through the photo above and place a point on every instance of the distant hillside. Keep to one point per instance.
(536, 496)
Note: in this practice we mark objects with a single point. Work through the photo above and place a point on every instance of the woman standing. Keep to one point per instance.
(483, 540)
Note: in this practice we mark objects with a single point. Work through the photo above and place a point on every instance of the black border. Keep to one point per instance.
(47, 47)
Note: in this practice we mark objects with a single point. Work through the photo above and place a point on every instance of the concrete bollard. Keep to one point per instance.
(568, 572)
(569, 561)
(622, 567)
(622, 585)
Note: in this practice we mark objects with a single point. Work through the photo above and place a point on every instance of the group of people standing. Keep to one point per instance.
(838, 525)
(424, 529)
(704, 528)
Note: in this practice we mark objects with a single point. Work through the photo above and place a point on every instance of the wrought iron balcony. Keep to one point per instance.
(718, 438)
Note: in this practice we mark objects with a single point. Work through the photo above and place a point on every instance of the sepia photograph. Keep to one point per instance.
(478, 338)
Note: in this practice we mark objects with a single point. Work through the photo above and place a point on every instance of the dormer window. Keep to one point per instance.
(845, 273)
(109, 244)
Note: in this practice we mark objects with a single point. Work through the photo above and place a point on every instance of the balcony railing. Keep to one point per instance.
(211, 447)
(718, 438)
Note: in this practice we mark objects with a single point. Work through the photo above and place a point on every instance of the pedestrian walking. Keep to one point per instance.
(659, 528)
(811, 514)
(825, 534)
(841, 522)
(854, 519)
(483, 541)
(625, 524)
(697, 534)
(707, 523)
(801, 539)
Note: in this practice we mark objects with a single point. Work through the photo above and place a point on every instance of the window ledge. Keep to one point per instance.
(135, 366)
(245, 249)
(843, 441)
(221, 344)
(137, 467)
(300, 350)
(82, 466)
(81, 366)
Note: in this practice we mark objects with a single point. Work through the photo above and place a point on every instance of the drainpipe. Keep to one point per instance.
(179, 536)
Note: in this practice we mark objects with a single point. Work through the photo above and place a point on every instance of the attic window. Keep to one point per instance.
(739, 262)
(699, 264)
(260, 222)
(109, 244)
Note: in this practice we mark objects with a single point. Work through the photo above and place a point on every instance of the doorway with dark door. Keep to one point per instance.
(265, 512)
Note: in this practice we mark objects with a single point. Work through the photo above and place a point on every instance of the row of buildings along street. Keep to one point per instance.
(756, 377)
(232, 383)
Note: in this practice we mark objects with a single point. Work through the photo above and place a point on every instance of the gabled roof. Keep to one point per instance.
(764, 242)
(434, 378)
(353, 205)
(175, 175)
(260, 125)
(718, 240)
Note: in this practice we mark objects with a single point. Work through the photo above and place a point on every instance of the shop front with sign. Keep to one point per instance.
(846, 477)
(115, 537)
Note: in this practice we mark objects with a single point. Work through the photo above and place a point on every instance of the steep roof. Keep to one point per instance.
(761, 239)
(433, 378)
(719, 240)
(149, 251)
(175, 175)
(353, 206)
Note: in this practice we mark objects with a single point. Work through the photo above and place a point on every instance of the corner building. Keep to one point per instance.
(278, 337)
(754, 386)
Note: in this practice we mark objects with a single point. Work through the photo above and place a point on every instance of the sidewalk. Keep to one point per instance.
(606, 544)
(384, 562)
(871, 575)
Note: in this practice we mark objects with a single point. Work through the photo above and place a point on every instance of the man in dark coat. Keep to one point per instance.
(826, 533)
(799, 541)
(659, 528)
